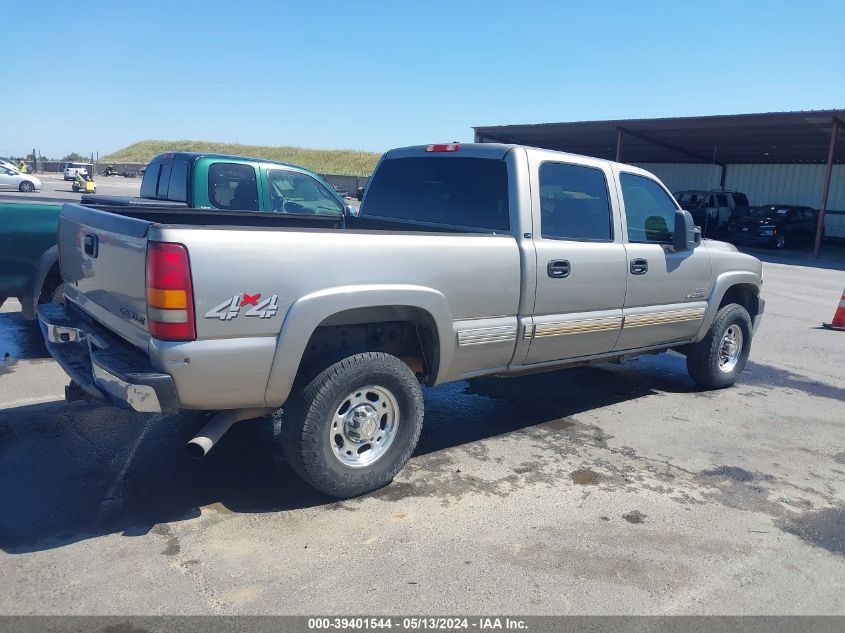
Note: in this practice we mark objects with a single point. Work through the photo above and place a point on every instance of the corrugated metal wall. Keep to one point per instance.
(680, 176)
(795, 184)
(785, 184)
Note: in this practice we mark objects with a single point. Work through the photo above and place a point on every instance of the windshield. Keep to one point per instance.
(689, 199)
(769, 212)
(293, 192)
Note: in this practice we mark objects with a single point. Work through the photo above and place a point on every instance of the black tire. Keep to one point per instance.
(703, 358)
(54, 293)
(26, 187)
(780, 242)
(307, 424)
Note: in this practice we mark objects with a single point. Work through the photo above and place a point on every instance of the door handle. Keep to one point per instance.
(91, 245)
(558, 268)
(639, 266)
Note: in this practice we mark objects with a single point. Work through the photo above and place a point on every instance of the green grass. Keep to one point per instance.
(325, 161)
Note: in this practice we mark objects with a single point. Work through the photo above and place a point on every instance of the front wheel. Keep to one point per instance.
(718, 359)
(26, 187)
(351, 429)
(780, 242)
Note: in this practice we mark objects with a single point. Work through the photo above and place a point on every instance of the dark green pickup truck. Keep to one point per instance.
(29, 268)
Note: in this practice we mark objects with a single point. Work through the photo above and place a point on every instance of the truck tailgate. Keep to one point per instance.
(103, 258)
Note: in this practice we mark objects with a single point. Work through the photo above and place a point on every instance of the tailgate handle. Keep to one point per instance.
(91, 245)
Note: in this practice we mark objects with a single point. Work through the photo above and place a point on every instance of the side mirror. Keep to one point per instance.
(350, 210)
(687, 236)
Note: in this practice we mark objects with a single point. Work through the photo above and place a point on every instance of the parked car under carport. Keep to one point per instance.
(775, 225)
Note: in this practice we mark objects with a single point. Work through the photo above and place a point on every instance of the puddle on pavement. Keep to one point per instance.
(585, 477)
(635, 516)
(734, 473)
(19, 339)
(559, 425)
(824, 528)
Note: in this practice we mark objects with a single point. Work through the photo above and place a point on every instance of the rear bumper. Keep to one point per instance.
(103, 366)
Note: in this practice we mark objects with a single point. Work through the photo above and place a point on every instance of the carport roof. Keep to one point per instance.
(771, 137)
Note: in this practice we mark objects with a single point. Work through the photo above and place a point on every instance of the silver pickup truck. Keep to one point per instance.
(464, 260)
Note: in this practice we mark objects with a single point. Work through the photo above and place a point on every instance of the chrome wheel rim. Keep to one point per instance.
(364, 426)
(730, 348)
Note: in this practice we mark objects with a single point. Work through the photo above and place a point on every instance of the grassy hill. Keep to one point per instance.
(324, 161)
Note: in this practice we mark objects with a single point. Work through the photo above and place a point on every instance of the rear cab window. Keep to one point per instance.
(149, 185)
(455, 191)
(166, 180)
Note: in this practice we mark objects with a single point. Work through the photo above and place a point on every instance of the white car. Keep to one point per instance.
(13, 179)
(71, 169)
(5, 164)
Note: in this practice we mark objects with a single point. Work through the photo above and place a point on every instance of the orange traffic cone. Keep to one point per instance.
(838, 316)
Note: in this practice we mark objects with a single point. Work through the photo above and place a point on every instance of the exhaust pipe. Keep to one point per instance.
(217, 426)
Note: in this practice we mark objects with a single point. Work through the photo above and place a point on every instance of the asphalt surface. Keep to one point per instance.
(611, 489)
(56, 188)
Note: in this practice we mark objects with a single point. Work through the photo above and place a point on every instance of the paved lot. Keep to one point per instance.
(56, 188)
(611, 489)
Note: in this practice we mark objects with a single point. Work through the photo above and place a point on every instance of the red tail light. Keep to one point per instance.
(170, 294)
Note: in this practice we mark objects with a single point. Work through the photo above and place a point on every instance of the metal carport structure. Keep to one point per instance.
(772, 138)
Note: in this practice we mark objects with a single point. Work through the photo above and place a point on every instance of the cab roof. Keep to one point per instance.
(192, 156)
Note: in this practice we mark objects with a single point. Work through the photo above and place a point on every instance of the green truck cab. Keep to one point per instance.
(29, 268)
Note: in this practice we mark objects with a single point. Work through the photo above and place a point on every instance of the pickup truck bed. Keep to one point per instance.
(319, 266)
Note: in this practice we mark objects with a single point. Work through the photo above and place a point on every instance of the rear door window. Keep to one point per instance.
(294, 192)
(464, 192)
(574, 203)
(233, 186)
(649, 210)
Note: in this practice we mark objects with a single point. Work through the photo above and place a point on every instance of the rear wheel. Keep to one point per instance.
(351, 429)
(53, 290)
(718, 359)
(26, 187)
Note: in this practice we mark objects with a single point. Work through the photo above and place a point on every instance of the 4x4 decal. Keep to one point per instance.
(231, 308)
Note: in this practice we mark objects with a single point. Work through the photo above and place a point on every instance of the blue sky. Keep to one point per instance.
(374, 75)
